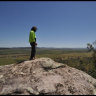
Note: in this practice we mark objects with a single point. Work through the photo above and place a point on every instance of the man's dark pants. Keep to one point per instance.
(33, 50)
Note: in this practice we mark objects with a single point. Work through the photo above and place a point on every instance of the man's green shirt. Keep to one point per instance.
(32, 36)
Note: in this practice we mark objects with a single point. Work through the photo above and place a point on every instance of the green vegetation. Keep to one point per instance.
(77, 58)
(92, 47)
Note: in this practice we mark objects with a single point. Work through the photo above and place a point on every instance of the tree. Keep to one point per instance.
(92, 47)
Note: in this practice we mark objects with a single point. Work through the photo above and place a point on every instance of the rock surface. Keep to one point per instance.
(43, 76)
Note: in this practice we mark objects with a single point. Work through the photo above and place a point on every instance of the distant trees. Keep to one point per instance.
(92, 47)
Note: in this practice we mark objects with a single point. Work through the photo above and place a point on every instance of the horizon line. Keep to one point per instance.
(47, 47)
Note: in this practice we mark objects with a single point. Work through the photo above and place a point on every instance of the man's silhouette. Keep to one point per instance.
(32, 41)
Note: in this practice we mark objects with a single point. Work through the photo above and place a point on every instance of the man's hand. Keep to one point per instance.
(36, 44)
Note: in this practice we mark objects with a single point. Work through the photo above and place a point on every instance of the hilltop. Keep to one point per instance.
(44, 76)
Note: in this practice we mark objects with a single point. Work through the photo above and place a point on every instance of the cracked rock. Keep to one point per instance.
(44, 76)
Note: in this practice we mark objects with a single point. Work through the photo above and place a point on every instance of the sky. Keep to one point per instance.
(61, 24)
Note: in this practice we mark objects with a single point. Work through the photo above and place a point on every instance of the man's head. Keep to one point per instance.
(34, 28)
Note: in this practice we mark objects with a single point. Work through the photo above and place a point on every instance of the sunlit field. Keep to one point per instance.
(77, 58)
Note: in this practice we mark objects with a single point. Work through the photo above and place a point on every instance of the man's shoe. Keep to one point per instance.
(30, 59)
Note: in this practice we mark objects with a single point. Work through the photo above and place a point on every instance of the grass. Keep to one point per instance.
(13, 55)
(80, 59)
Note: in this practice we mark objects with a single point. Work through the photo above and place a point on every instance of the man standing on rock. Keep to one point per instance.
(32, 41)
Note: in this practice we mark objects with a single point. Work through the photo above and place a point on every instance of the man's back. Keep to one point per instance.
(32, 36)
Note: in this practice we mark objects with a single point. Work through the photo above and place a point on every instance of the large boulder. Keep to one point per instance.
(44, 76)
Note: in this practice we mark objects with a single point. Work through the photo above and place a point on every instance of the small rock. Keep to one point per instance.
(1, 76)
(31, 91)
